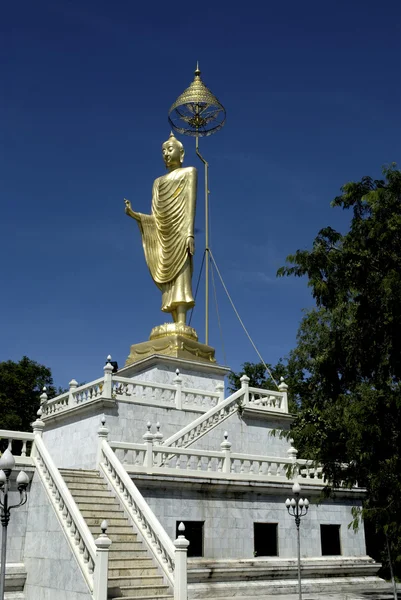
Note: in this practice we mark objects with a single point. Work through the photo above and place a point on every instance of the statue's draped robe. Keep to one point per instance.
(165, 237)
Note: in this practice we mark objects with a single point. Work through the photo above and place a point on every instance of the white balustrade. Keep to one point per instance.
(153, 458)
(138, 510)
(75, 396)
(20, 444)
(77, 531)
(113, 386)
(268, 399)
(206, 422)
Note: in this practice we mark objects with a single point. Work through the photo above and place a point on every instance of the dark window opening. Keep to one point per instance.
(330, 539)
(265, 539)
(194, 534)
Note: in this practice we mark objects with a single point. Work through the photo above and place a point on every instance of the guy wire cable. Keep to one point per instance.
(240, 320)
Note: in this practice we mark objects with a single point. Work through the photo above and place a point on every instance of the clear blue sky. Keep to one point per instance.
(313, 97)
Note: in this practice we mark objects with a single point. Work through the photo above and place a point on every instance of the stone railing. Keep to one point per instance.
(153, 458)
(77, 532)
(206, 422)
(74, 397)
(20, 444)
(137, 509)
(113, 387)
(268, 400)
(165, 394)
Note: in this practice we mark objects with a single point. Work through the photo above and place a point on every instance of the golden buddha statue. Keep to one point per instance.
(168, 232)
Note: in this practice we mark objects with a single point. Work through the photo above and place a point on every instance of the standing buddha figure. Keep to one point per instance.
(168, 232)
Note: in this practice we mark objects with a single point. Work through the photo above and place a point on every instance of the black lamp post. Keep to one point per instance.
(7, 463)
(297, 507)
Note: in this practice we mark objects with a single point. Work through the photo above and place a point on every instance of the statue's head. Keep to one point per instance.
(173, 153)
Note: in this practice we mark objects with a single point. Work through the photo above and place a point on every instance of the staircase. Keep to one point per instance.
(132, 572)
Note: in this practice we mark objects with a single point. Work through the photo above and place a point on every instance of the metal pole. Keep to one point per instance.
(297, 522)
(5, 517)
(207, 257)
(391, 569)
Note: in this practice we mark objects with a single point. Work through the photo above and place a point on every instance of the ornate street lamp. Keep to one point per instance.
(297, 507)
(7, 463)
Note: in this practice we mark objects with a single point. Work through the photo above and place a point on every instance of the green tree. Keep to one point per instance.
(21, 384)
(348, 355)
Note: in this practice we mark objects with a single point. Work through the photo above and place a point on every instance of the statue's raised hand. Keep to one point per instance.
(130, 212)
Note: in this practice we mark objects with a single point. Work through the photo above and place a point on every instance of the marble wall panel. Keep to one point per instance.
(52, 571)
(229, 518)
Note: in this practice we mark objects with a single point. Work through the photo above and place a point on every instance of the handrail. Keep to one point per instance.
(77, 531)
(9, 434)
(264, 392)
(138, 510)
(212, 412)
(158, 463)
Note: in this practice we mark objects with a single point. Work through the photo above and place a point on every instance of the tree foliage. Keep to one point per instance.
(21, 384)
(348, 356)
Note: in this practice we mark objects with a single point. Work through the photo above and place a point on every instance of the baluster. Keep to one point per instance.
(199, 466)
(23, 451)
(10, 445)
(91, 566)
(242, 466)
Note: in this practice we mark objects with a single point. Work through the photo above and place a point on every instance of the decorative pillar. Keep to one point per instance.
(148, 439)
(108, 379)
(180, 572)
(226, 449)
(38, 425)
(73, 386)
(283, 387)
(102, 434)
(178, 392)
(292, 454)
(245, 387)
(220, 390)
(103, 543)
(158, 437)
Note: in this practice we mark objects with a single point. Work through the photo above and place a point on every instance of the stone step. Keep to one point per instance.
(126, 546)
(88, 472)
(121, 564)
(88, 509)
(144, 591)
(86, 485)
(117, 536)
(140, 571)
(129, 555)
(125, 577)
(83, 495)
(169, 597)
(112, 519)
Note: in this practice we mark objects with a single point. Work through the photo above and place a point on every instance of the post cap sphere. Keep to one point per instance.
(296, 488)
(7, 461)
(22, 480)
